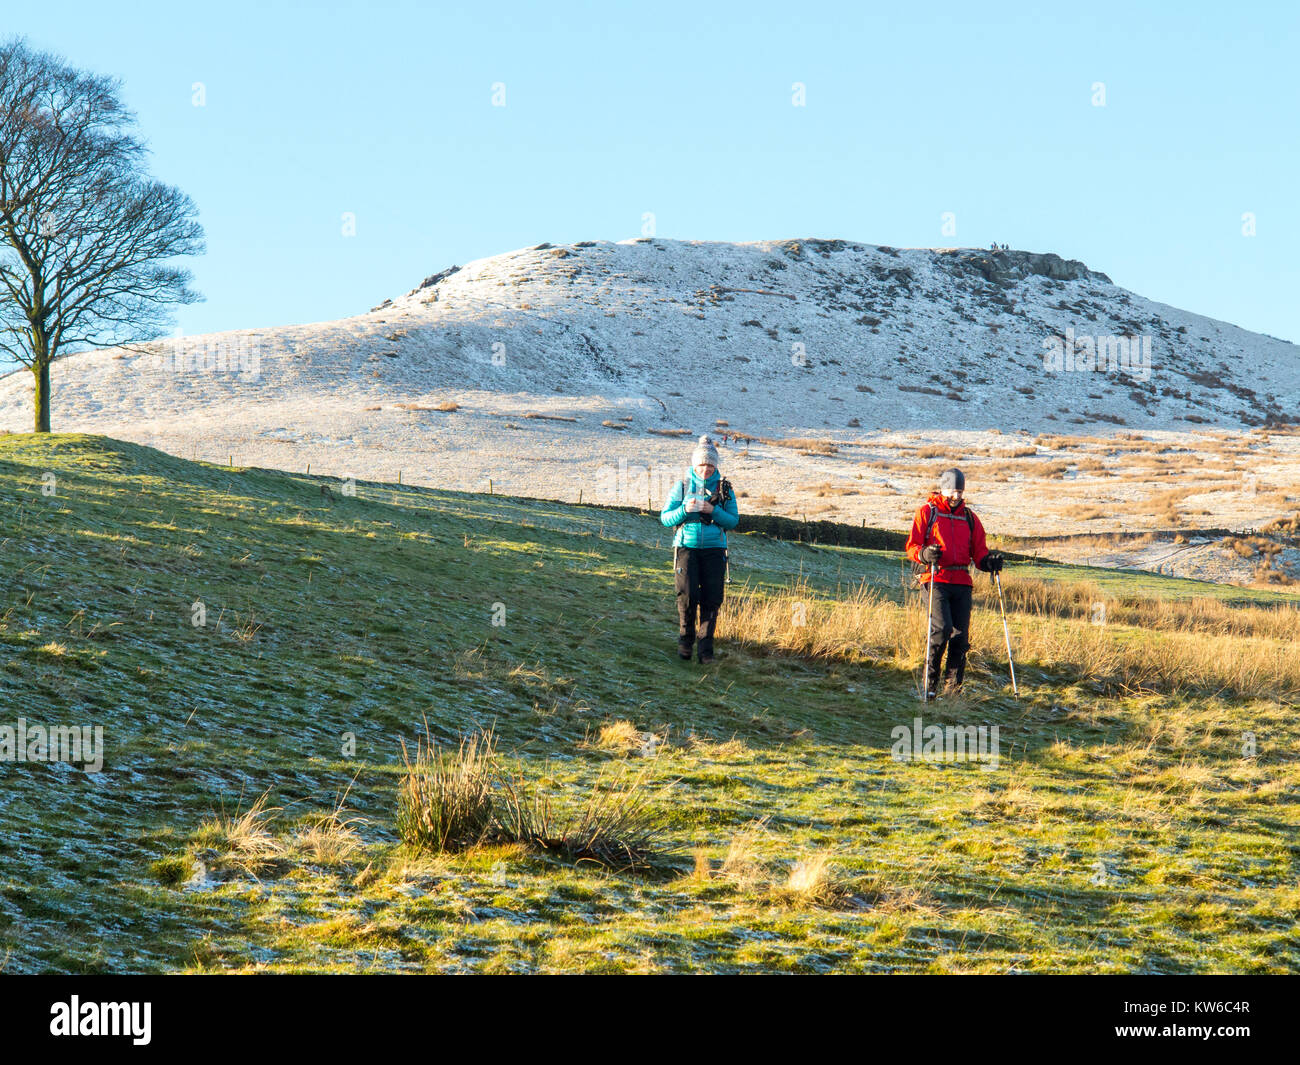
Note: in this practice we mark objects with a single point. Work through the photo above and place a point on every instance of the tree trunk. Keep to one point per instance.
(41, 370)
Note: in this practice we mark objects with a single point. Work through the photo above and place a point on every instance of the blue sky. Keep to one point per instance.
(685, 110)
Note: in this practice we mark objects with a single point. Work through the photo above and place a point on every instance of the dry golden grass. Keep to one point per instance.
(1015, 798)
(1285, 527)
(1241, 548)
(565, 418)
(244, 842)
(329, 841)
(1090, 465)
(1134, 646)
(828, 489)
(814, 447)
(741, 865)
(619, 736)
(813, 881)
(732, 748)
(1050, 468)
(1079, 511)
(1080, 599)
(799, 623)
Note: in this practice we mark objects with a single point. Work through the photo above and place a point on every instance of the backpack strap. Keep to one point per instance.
(934, 516)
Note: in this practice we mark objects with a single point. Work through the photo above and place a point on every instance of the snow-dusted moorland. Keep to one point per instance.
(566, 363)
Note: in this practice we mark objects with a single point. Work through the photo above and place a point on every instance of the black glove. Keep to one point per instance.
(931, 554)
(992, 562)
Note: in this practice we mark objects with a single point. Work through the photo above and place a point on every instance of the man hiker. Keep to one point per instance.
(946, 538)
(702, 507)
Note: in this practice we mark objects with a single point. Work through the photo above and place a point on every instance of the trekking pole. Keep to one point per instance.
(997, 577)
(929, 631)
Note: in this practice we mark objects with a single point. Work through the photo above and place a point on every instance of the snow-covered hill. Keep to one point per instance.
(795, 337)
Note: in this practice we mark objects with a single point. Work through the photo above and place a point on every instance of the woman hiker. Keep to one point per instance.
(702, 507)
(946, 538)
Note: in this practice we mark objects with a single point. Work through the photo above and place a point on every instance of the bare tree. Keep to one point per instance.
(85, 234)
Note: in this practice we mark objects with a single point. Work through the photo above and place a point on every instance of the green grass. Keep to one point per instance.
(1118, 835)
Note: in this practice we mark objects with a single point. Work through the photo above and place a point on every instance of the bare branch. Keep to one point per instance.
(86, 236)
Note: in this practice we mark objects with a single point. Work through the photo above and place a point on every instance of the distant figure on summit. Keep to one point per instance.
(702, 507)
(946, 538)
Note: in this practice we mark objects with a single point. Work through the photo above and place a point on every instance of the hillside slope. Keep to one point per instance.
(850, 374)
(331, 620)
(777, 337)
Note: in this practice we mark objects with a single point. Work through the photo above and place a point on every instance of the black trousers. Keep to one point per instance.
(700, 575)
(950, 628)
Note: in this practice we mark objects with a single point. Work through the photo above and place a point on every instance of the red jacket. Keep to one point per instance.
(961, 544)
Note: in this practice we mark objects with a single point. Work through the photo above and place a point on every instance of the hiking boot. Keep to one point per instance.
(685, 648)
(706, 652)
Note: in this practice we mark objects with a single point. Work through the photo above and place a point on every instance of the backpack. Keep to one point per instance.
(920, 568)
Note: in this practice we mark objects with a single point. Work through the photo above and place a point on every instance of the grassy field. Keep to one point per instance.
(1142, 816)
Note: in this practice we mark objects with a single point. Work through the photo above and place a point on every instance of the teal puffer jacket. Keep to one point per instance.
(692, 531)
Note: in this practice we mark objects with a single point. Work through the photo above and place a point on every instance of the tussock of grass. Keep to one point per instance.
(244, 841)
(619, 736)
(1015, 798)
(450, 803)
(725, 751)
(741, 866)
(173, 869)
(813, 881)
(445, 802)
(330, 840)
(624, 738)
(614, 827)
